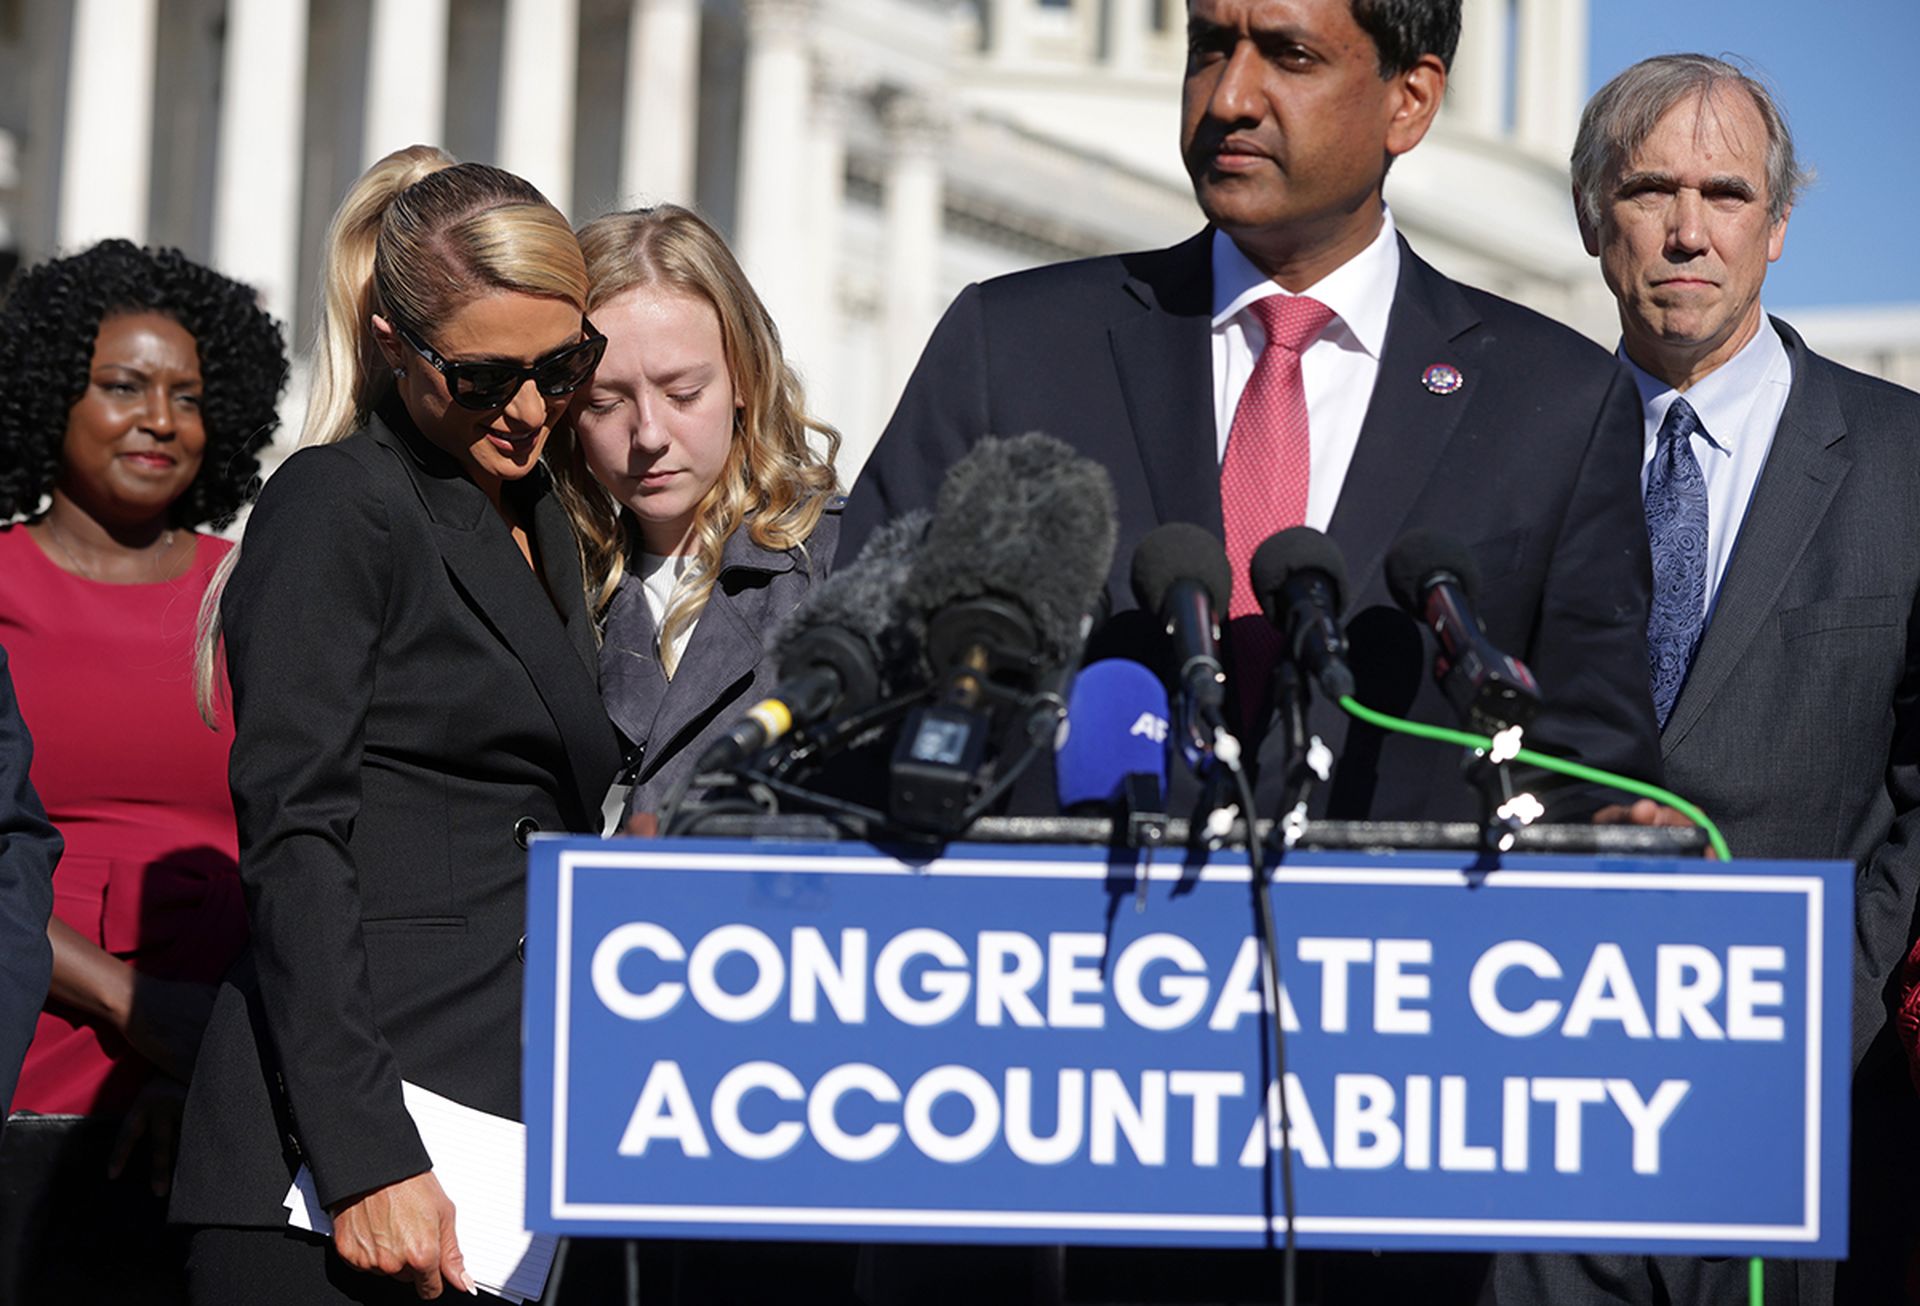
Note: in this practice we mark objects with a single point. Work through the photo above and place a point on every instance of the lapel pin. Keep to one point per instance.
(1442, 378)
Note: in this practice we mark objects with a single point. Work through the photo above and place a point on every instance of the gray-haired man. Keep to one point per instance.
(1784, 641)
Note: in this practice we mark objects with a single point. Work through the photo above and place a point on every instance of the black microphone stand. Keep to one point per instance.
(1292, 696)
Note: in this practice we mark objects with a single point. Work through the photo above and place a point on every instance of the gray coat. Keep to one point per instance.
(726, 667)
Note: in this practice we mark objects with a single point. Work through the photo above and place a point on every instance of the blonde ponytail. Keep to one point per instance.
(349, 376)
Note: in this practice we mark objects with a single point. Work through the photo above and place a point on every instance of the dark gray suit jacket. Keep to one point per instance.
(408, 705)
(1798, 729)
(726, 667)
(1798, 732)
(29, 847)
(1533, 463)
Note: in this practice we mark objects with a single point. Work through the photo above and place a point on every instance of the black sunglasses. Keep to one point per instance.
(486, 386)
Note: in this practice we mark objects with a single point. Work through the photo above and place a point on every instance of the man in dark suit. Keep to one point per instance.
(1378, 397)
(1406, 400)
(29, 847)
(1779, 493)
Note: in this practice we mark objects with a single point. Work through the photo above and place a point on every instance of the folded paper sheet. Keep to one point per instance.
(481, 1162)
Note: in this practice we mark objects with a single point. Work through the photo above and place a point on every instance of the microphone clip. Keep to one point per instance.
(1144, 818)
(1504, 809)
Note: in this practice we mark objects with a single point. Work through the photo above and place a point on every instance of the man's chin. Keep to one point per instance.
(1233, 205)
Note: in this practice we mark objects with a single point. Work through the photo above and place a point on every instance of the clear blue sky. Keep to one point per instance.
(1844, 71)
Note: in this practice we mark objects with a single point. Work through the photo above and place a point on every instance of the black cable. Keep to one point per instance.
(827, 743)
(825, 802)
(1270, 938)
(818, 745)
(670, 810)
(1037, 732)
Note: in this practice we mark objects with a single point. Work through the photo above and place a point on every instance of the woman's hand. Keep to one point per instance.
(160, 1019)
(155, 1116)
(404, 1230)
(1646, 812)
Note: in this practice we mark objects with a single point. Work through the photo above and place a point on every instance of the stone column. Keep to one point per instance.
(663, 102)
(1132, 25)
(406, 77)
(1550, 75)
(106, 162)
(1086, 30)
(812, 338)
(1570, 54)
(912, 214)
(1007, 30)
(256, 202)
(536, 95)
(9, 185)
(1477, 86)
(771, 238)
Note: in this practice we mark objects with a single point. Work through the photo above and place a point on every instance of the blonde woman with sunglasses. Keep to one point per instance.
(414, 694)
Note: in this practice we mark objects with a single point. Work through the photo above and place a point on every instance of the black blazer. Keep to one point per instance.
(727, 665)
(1798, 729)
(1534, 462)
(29, 849)
(408, 706)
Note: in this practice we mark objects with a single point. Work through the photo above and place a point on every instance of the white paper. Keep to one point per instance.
(481, 1162)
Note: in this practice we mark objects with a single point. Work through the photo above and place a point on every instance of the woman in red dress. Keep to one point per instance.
(136, 388)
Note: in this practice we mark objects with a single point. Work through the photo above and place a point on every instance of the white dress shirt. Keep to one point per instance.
(660, 579)
(1337, 370)
(1739, 404)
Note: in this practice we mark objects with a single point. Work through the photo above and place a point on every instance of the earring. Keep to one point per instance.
(399, 372)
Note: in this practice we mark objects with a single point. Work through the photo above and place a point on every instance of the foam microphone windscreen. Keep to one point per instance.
(1417, 557)
(1286, 553)
(864, 598)
(1178, 551)
(1025, 520)
(1116, 726)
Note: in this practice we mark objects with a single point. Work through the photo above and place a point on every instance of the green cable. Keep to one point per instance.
(1755, 1277)
(1577, 770)
(1580, 771)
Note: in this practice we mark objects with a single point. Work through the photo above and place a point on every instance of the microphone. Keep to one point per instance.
(1300, 579)
(1112, 750)
(1015, 557)
(1432, 577)
(1181, 574)
(839, 647)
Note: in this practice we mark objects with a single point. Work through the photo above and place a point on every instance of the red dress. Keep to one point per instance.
(136, 783)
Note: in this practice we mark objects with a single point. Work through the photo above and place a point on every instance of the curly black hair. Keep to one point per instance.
(47, 329)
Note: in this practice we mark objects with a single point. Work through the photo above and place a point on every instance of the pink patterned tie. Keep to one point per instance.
(1263, 482)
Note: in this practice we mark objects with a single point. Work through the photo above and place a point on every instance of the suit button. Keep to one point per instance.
(524, 829)
(521, 950)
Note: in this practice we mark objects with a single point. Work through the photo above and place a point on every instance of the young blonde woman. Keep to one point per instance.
(708, 492)
(413, 678)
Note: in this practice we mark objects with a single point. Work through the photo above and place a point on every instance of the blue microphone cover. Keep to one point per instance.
(1116, 725)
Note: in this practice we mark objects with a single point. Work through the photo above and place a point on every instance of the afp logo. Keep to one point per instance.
(1149, 726)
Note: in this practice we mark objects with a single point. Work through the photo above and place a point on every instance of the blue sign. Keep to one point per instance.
(823, 1041)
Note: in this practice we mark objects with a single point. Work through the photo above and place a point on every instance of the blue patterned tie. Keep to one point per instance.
(1677, 529)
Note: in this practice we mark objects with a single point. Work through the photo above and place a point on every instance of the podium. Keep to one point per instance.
(1623, 1049)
